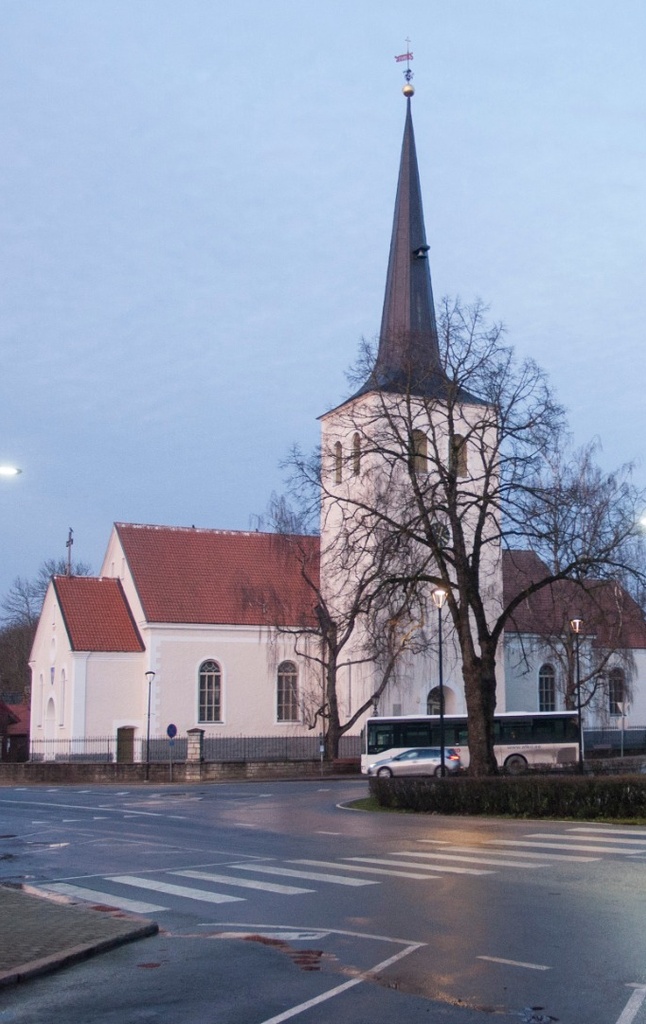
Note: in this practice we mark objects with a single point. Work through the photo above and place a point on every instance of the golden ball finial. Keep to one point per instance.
(408, 90)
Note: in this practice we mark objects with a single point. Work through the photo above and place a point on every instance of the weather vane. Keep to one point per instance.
(408, 56)
(68, 545)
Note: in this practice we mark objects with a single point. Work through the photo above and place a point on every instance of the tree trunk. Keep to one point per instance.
(333, 731)
(480, 691)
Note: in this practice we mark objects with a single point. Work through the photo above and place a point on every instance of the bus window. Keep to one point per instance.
(416, 736)
(512, 731)
(381, 738)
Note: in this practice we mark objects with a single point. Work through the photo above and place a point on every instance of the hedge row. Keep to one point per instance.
(527, 796)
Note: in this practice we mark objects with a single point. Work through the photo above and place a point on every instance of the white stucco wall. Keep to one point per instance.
(248, 658)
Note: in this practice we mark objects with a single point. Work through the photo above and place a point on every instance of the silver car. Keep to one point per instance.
(418, 761)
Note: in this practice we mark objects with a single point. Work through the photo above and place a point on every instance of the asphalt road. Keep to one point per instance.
(277, 903)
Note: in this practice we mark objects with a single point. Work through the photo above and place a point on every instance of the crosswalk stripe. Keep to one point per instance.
(314, 875)
(244, 883)
(523, 853)
(598, 839)
(371, 871)
(609, 831)
(474, 859)
(106, 898)
(559, 846)
(175, 890)
(592, 839)
(451, 869)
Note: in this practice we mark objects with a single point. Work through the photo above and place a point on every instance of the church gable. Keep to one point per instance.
(611, 616)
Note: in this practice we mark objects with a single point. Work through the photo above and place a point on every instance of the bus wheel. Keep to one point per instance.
(516, 764)
(385, 772)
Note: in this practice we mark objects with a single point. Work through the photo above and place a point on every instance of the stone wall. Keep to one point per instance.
(62, 773)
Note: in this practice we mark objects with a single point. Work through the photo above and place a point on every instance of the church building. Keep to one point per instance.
(220, 630)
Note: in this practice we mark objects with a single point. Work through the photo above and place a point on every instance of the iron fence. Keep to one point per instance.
(101, 749)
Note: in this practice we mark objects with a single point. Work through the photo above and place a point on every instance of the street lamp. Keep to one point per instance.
(439, 597)
(576, 625)
(150, 675)
(9, 471)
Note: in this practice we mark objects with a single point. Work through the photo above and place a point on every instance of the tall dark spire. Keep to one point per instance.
(408, 359)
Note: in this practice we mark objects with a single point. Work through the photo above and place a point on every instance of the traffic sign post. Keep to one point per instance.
(171, 732)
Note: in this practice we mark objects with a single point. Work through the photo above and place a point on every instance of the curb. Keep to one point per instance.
(128, 929)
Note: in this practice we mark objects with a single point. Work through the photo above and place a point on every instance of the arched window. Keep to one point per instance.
(546, 688)
(616, 691)
(210, 692)
(356, 455)
(287, 692)
(61, 703)
(419, 453)
(433, 701)
(458, 456)
(338, 463)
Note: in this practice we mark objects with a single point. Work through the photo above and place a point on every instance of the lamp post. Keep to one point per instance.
(150, 675)
(439, 597)
(576, 625)
(9, 470)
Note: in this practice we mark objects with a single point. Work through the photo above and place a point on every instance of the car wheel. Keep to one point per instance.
(439, 771)
(516, 764)
(385, 772)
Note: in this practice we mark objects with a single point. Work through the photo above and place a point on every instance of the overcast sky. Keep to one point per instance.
(195, 213)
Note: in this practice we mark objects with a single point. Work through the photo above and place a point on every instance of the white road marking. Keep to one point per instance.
(474, 859)
(145, 814)
(323, 832)
(450, 868)
(615, 838)
(522, 853)
(175, 890)
(609, 831)
(632, 1007)
(342, 988)
(106, 898)
(514, 963)
(559, 846)
(244, 883)
(366, 870)
(315, 876)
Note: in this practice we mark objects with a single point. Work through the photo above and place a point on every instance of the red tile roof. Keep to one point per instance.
(8, 717)
(608, 611)
(96, 614)
(21, 726)
(183, 574)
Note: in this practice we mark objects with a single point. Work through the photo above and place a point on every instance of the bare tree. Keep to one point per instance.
(612, 622)
(429, 482)
(24, 600)
(376, 624)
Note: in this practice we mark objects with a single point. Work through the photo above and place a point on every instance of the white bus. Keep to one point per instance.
(521, 739)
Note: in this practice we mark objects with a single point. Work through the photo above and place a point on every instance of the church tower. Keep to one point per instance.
(398, 458)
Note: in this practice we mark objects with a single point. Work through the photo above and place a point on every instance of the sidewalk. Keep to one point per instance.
(39, 934)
